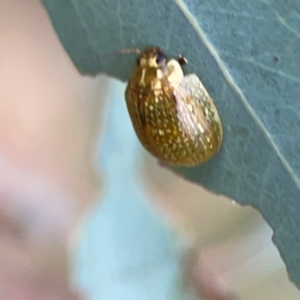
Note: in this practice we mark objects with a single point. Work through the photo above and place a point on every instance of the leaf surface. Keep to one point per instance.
(247, 55)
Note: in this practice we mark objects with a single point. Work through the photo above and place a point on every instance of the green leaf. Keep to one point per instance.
(247, 55)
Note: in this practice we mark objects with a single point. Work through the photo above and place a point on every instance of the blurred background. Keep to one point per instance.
(80, 197)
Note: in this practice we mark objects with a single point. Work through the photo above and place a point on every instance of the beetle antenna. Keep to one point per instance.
(97, 57)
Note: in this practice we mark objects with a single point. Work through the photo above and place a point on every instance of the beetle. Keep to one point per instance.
(173, 116)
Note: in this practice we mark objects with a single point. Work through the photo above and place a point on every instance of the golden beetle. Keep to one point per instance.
(173, 116)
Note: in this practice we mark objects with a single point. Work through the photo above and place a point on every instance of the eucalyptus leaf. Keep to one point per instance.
(247, 55)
